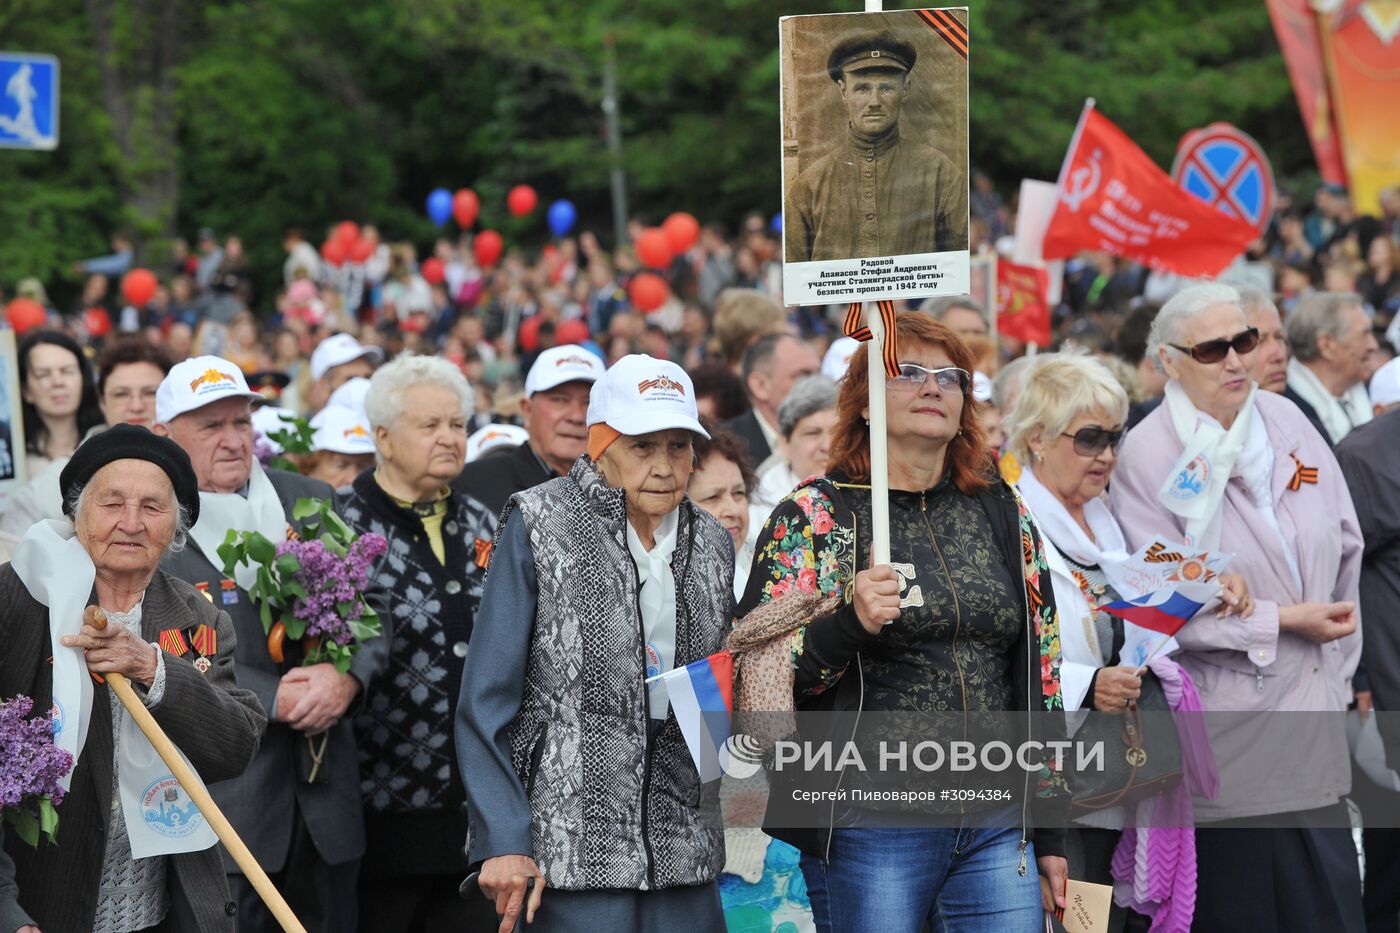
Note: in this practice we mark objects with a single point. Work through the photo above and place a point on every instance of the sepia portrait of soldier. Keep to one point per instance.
(875, 192)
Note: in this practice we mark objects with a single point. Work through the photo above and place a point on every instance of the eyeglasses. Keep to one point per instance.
(1094, 440)
(913, 376)
(1213, 351)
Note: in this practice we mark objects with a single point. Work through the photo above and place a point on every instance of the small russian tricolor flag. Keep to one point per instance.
(1165, 610)
(701, 695)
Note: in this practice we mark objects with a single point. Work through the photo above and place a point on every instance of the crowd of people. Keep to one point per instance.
(577, 498)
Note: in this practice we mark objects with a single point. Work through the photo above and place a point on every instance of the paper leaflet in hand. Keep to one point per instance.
(701, 695)
(1158, 564)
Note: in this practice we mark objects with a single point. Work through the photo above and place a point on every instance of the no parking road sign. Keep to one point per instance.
(28, 101)
(1225, 167)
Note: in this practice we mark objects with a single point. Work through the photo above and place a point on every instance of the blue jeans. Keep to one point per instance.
(888, 880)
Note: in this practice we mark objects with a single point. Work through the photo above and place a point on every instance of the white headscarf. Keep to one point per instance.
(220, 513)
(1106, 549)
(1195, 487)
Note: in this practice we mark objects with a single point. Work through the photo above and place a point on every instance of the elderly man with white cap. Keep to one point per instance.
(555, 409)
(576, 771)
(335, 361)
(309, 835)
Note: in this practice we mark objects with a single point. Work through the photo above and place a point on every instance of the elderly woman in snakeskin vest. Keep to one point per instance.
(576, 771)
(438, 537)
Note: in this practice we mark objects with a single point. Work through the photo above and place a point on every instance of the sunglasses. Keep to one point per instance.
(1092, 441)
(913, 376)
(1213, 351)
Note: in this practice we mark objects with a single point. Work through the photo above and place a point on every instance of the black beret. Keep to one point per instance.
(131, 442)
(869, 50)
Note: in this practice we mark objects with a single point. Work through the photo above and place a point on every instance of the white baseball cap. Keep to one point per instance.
(200, 381)
(1385, 384)
(339, 349)
(641, 394)
(493, 436)
(350, 395)
(558, 365)
(268, 418)
(342, 431)
(838, 357)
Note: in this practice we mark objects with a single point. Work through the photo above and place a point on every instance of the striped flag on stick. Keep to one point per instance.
(1165, 610)
(701, 694)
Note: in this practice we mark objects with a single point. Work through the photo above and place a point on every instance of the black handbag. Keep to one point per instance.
(1142, 754)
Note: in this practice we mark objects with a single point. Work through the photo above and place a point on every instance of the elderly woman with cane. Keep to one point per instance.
(577, 775)
(1224, 467)
(132, 496)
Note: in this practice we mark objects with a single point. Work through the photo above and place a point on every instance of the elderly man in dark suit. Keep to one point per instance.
(132, 497)
(771, 365)
(308, 834)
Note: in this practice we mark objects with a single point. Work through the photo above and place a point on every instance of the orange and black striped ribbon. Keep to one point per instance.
(949, 28)
(1157, 554)
(205, 639)
(173, 641)
(855, 327)
(483, 553)
(1301, 474)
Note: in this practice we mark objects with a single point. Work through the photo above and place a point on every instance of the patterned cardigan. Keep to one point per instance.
(408, 765)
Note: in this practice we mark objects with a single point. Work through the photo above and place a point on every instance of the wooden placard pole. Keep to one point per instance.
(879, 435)
(197, 791)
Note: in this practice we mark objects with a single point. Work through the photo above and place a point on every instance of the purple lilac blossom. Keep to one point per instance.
(329, 580)
(30, 764)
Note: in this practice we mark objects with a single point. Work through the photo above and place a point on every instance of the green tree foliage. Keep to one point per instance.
(312, 111)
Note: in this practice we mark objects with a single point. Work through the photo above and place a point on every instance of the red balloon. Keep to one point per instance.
(521, 200)
(97, 321)
(648, 292)
(574, 330)
(361, 250)
(24, 313)
(139, 286)
(682, 231)
(487, 247)
(529, 337)
(333, 252)
(465, 207)
(347, 233)
(654, 248)
(433, 270)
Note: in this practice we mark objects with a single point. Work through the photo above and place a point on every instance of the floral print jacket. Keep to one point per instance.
(986, 547)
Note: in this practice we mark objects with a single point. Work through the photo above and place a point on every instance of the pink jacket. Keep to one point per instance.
(1284, 762)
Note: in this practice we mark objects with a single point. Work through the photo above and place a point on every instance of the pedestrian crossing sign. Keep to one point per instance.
(28, 101)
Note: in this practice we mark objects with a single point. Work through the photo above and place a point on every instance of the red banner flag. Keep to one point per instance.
(1362, 57)
(1295, 25)
(1112, 197)
(1023, 311)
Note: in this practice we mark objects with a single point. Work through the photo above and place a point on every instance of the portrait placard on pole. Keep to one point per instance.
(875, 155)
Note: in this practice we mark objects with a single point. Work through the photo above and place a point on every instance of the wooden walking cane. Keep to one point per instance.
(193, 786)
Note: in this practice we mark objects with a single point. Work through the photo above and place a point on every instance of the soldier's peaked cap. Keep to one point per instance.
(870, 50)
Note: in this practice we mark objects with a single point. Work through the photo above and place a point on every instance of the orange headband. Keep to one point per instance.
(600, 438)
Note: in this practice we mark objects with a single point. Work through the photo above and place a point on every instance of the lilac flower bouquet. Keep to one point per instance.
(30, 769)
(310, 589)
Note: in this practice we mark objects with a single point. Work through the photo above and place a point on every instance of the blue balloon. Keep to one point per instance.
(440, 206)
(776, 224)
(561, 217)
